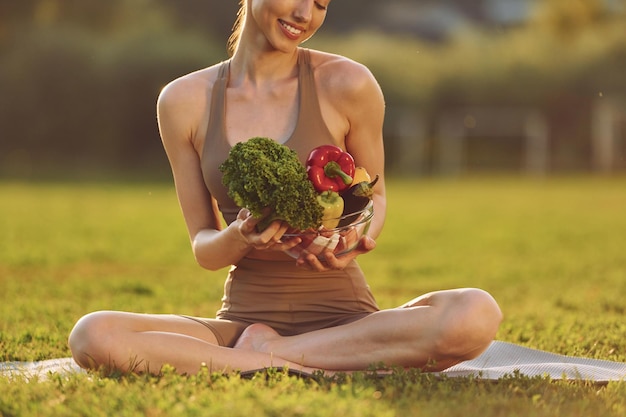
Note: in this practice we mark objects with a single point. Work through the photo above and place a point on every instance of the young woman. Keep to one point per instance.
(278, 312)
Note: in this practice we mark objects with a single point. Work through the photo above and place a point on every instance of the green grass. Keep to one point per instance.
(551, 252)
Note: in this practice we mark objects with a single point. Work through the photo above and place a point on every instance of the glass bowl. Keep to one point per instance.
(339, 240)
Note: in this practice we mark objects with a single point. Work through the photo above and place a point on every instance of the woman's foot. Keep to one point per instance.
(257, 337)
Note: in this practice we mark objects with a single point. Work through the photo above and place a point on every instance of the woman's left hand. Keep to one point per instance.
(330, 262)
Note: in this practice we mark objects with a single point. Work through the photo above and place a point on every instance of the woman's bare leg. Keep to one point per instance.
(432, 332)
(145, 342)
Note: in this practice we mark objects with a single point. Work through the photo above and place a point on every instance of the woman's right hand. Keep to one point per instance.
(268, 239)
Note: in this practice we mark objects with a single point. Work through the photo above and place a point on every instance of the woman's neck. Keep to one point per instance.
(261, 67)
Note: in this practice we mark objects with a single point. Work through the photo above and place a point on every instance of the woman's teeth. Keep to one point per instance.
(291, 29)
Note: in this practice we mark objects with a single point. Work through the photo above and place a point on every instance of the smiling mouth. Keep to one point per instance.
(290, 29)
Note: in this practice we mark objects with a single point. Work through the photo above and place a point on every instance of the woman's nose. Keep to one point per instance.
(304, 10)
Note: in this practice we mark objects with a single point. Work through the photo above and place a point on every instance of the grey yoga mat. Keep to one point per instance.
(501, 359)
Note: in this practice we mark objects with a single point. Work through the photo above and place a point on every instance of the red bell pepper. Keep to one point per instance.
(330, 168)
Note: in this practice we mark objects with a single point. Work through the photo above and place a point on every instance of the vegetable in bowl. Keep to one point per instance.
(339, 240)
(261, 173)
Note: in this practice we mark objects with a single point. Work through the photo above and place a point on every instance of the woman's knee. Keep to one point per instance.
(472, 324)
(483, 309)
(88, 338)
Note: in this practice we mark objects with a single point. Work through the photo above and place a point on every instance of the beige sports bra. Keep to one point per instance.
(310, 130)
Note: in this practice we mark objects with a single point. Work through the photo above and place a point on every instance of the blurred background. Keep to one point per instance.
(530, 87)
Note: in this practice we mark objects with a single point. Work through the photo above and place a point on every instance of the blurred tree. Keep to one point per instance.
(79, 78)
(79, 86)
(567, 18)
(211, 17)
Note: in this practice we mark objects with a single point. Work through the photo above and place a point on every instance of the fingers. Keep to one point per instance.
(366, 244)
(273, 233)
(311, 262)
(328, 261)
(270, 238)
(243, 214)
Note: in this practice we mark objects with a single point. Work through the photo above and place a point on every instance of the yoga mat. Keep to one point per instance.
(499, 360)
(40, 369)
(502, 359)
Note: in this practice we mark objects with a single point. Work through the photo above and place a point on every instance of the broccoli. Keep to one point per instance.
(262, 173)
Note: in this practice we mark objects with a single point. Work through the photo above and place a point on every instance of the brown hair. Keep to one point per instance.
(233, 40)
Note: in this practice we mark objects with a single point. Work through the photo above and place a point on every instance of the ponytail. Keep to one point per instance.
(233, 40)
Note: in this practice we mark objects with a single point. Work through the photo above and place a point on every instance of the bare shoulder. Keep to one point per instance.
(341, 77)
(190, 88)
(183, 106)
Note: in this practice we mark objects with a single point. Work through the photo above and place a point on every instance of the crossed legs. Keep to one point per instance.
(432, 332)
(146, 342)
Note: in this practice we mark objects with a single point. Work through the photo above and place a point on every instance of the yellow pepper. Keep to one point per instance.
(332, 203)
(360, 175)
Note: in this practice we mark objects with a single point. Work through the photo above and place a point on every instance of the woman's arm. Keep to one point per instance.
(353, 107)
(180, 109)
(364, 107)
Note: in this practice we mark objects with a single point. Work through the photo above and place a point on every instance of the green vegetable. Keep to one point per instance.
(332, 203)
(262, 173)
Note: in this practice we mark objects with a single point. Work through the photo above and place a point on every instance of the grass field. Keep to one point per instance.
(551, 251)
